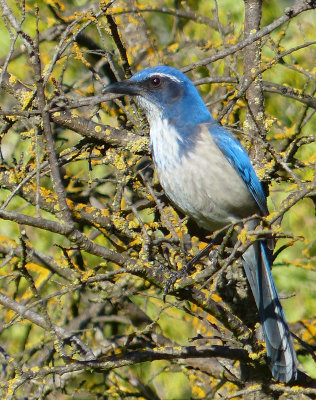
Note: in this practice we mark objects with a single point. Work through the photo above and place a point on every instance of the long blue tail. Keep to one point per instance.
(280, 348)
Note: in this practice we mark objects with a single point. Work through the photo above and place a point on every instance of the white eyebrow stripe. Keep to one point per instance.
(173, 78)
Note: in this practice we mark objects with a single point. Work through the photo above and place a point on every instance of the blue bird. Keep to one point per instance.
(207, 173)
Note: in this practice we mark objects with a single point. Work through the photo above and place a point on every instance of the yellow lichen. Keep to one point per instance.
(25, 96)
(139, 145)
(215, 297)
(12, 79)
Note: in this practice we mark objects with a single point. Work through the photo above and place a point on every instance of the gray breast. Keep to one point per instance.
(204, 185)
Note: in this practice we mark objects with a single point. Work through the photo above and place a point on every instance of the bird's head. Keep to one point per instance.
(164, 92)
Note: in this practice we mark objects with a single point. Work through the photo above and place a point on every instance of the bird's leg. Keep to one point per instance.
(186, 269)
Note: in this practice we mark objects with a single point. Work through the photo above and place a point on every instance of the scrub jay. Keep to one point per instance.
(207, 173)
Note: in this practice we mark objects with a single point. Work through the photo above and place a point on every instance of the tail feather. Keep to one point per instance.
(280, 348)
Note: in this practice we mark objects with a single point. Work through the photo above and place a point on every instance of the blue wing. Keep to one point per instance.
(239, 159)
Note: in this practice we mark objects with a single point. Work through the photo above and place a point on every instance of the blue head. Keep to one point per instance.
(165, 92)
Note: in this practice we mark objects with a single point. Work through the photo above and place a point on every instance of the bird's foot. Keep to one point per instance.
(185, 270)
(173, 278)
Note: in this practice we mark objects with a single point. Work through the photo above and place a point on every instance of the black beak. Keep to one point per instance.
(124, 87)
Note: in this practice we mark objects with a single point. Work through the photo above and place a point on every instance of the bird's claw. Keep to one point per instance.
(185, 270)
(173, 278)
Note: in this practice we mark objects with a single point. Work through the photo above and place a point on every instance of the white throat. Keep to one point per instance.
(164, 138)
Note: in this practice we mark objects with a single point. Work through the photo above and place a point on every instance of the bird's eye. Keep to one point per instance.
(155, 81)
